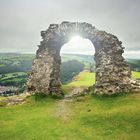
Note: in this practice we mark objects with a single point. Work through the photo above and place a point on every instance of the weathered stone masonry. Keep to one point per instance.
(112, 73)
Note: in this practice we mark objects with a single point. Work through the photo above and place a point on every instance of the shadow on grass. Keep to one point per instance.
(43, 97)
(113, 96)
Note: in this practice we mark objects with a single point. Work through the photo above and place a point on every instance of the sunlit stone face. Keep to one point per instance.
(78, 45)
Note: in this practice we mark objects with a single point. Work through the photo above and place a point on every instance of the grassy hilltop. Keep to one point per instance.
(89, 118)
(84, 118)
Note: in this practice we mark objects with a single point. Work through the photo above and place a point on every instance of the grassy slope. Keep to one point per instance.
(11, 75)
(99, 118)
(14, 79)
(94, 118)
(135, 74)
(86, 79)
(83, 79)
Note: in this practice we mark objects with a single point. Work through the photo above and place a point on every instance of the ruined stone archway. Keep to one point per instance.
(112, 73)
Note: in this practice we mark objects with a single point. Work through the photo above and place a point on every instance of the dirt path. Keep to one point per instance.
(62, 109)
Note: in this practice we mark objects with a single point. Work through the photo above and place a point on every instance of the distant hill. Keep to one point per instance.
(14, 62)
(134, 64)
(79, 57)
(14, 67)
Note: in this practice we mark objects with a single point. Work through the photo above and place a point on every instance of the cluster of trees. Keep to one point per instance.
(134, 65)
(17, 81)
(69, 69)
(22, 66)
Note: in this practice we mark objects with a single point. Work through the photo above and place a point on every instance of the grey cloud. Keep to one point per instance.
(22, 21)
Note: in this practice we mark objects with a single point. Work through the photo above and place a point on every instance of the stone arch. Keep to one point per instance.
(112, 73)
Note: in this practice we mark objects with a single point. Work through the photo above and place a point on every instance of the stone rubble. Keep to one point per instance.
(14, 100)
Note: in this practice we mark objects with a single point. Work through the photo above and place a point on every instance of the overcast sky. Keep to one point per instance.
(22, 20)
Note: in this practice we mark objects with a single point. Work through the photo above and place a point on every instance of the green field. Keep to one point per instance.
(116, 118)
(86, 79)
(135, 74)
(89, 118)
(13, 79)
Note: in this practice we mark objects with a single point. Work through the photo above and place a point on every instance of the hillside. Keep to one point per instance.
(85, 79)
(14, 68)
(11, 62)
(83, 118)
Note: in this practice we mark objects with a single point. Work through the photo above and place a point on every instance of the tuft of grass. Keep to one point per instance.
(42, 96)
(2, 101)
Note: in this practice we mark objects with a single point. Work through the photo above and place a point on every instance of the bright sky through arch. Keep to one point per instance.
(78, 45)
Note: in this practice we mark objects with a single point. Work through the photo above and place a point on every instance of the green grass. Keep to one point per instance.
(13, 79)
(91, 118)
(13, 75)
(83, 79)
(86, 79)
(135, 74)
(113, 118)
